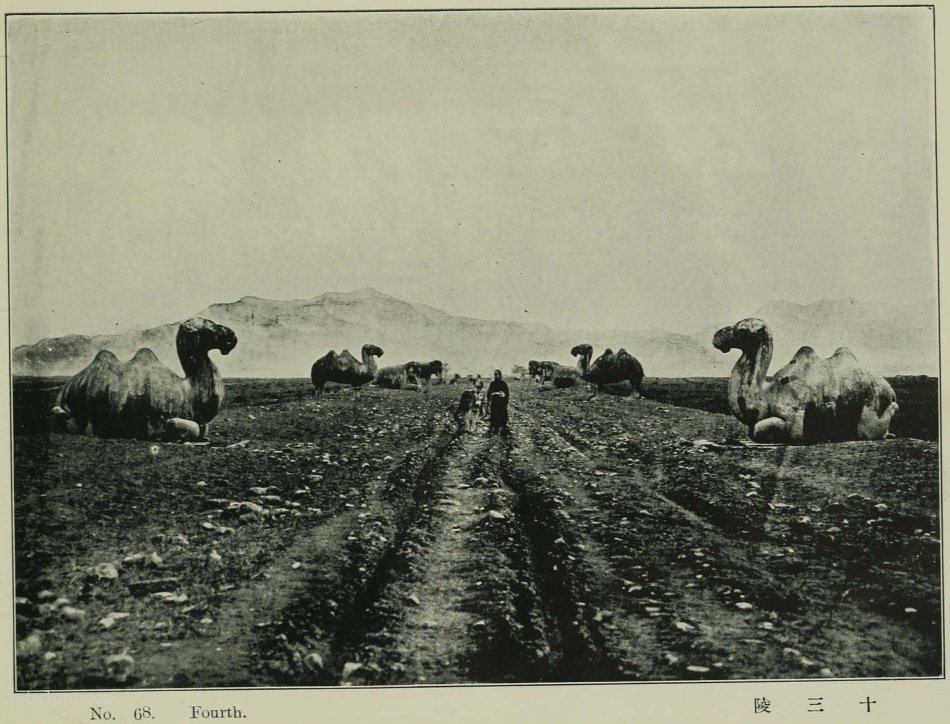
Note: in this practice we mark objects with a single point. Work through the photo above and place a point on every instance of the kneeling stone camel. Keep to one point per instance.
(343, 368)
(144, 399)
(808, 400)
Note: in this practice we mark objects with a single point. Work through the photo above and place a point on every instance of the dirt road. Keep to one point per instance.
(373, 543)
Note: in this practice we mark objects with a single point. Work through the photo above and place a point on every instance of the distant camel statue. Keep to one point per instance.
(396, 377)
(344, 369)
(425, 370)
(534, 369)
(609, 368)
(139, 398)
(810, 399)
(560, 376)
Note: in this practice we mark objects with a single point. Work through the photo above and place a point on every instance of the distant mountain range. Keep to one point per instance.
(283, 338)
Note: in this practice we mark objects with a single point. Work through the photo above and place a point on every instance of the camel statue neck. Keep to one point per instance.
(192, 360)
(748, 376)
(583, 363)
(369, 362)
(202, 377)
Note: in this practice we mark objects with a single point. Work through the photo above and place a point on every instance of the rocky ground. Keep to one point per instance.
(366, 541)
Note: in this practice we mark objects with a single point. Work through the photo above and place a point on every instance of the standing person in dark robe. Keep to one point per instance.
(498, 404)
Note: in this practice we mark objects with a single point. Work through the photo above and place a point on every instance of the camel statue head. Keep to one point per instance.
(746, 335)
(371, 350)
(202, 335)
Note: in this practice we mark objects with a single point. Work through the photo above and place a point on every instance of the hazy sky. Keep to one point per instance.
(612, 169)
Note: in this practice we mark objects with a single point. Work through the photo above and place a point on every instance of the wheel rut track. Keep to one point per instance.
(573, 441)
(334, 609)
(579, 651)
(680, 596)
(639, 637)
(524, 620)
(413, 625)
(524, 583)
(738, 563)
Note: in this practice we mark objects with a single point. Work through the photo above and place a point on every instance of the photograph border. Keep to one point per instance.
(8, 435)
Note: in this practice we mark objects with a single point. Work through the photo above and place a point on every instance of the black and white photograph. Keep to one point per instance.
(474, 347)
